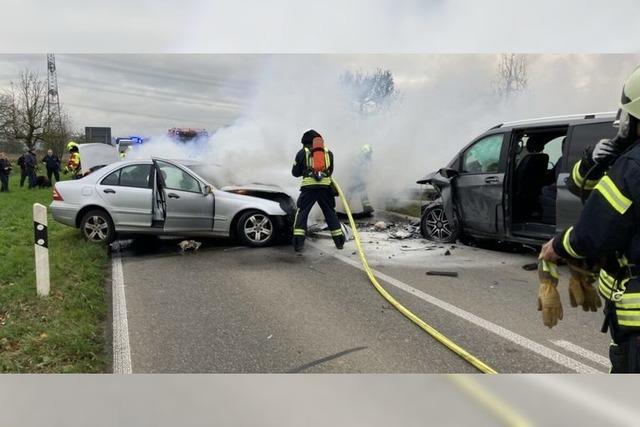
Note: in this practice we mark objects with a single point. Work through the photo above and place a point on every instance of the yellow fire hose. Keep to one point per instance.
(481, 366)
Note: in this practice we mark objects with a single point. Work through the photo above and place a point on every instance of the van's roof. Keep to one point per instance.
(560, 120)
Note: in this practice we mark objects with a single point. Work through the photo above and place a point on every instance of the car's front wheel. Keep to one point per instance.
(96, 226)
(435, 226)
(256, 229)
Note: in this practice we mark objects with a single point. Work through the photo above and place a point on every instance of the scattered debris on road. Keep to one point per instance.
(380, 226)
(442, 273)
(189, 245)
(531, 266)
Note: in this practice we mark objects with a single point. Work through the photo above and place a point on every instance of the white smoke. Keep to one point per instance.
(445, 101)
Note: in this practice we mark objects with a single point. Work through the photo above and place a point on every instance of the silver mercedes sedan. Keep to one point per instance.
(165, 197)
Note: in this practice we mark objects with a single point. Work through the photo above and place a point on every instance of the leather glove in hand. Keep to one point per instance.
(548, 298)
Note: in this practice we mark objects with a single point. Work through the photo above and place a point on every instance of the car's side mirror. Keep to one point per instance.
(206, 190)
(448, 173)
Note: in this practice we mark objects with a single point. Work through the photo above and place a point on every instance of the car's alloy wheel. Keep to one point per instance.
(258, 228)
(96, 227)
(435, 225)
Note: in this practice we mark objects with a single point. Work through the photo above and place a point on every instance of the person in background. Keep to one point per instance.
(30, 166)
(5, 171)
(23, 172)
(52, 163)
(73, 165)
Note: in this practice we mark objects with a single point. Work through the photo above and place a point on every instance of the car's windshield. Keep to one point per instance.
(211, 173)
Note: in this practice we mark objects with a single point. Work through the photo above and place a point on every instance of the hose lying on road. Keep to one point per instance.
(481, 366)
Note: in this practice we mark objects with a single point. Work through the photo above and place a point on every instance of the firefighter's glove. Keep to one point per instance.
(606, 151)
(581, 289)
(548, 298)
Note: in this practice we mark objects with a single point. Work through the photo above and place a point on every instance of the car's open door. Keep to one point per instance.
(187, 202)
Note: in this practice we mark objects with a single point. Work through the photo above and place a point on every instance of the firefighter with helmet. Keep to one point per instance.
(314, 163)
(73, 164)
(607, 234)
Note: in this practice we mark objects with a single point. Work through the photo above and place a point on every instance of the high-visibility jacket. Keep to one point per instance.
(609, 229)
(303, 166)
(73, 165)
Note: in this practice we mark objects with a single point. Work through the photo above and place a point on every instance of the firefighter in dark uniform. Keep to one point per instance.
(315, 188)
(608, 230)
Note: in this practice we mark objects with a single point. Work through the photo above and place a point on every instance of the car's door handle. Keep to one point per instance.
(173, 196)
(491, 180)
(109, 190)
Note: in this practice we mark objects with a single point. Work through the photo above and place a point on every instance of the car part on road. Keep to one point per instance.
(464, 354)
(256, 229)
(435, 226)
(97, 227)
(442, 273)
(187, 245)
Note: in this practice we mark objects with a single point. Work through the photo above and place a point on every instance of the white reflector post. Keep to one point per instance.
(41, 246)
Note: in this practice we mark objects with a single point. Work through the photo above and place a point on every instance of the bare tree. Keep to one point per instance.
(23, 110)
(511, 75)
(371, 92)
(58, 134)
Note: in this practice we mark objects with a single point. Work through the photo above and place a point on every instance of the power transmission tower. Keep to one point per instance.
(53, 98)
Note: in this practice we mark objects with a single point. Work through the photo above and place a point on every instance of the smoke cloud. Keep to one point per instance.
(444, 102)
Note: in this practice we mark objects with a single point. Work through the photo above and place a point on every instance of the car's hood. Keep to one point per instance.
(94, 155)
(266, 188)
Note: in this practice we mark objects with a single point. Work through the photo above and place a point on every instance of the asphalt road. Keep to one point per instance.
(238, 310)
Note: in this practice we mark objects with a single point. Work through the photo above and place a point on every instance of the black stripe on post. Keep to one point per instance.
(40, 235)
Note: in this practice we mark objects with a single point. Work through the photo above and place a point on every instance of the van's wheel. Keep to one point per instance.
(96, 226)
(256, 229)
(435, 226)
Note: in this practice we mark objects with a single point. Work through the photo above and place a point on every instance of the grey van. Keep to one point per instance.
(509, 184)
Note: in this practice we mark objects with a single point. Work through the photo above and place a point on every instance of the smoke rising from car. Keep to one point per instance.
(444, 102)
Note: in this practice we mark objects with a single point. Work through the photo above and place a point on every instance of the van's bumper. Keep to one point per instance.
(63, 213)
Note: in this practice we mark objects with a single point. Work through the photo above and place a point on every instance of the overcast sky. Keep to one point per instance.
(146, 94)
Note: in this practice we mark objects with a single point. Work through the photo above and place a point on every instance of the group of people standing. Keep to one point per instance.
(28, 164)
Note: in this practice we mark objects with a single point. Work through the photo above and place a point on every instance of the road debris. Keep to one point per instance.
(189, 245)
(380, 226)
(531, 266)
(448, 252)
(442, 273)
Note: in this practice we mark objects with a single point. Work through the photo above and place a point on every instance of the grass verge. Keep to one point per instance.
(61, 333)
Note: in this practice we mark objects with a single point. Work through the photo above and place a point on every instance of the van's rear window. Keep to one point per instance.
(584, 136)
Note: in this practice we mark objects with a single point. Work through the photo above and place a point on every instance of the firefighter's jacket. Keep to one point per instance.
(303, 166)
(609, 229)
(73, 165)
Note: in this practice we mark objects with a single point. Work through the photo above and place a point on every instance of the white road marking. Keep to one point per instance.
(580, 351)
(600, 403)
(507, 334)
(121, 349)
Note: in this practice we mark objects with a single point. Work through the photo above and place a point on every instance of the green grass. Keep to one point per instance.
(65, 331)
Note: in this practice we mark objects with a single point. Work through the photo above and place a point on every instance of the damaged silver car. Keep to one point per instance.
(166, 197)
(509, 184)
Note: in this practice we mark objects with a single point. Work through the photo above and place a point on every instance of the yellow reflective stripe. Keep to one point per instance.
(578, 179)
(629, 301)
(567, 244)
(299, 232)
(610, 192)
(336, 232)
(309, 180)
(551, 268)
(628, 318)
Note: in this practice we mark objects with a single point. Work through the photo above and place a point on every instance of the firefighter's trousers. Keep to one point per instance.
(323, 195)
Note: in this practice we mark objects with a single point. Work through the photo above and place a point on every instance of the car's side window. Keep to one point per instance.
(483, 156)
(129, 176)
(112, 179)
(177, 179)
(584, 136)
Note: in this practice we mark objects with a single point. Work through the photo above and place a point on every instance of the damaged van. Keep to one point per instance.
(510, 183)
